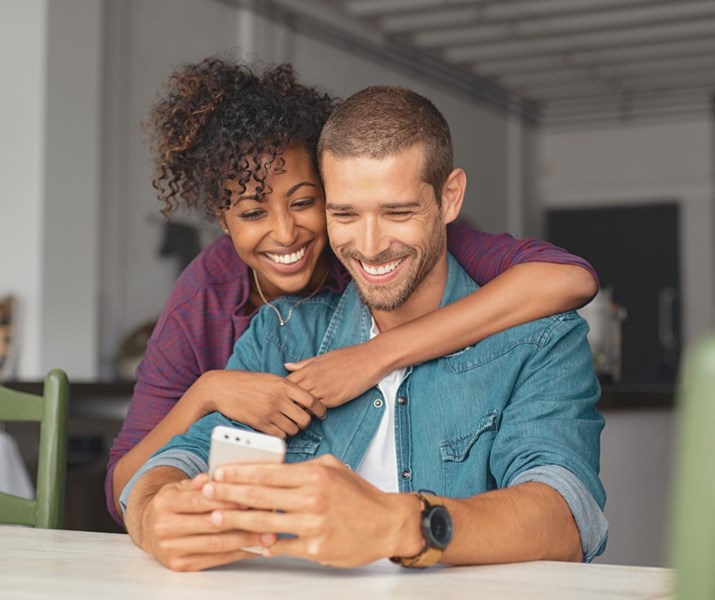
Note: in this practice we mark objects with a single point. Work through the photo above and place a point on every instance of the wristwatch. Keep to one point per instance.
(436, 525)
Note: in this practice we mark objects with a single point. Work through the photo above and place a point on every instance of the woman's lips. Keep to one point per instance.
(288, 263)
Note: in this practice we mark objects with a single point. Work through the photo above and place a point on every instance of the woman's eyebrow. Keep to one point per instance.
(253, 197)
(297, 186)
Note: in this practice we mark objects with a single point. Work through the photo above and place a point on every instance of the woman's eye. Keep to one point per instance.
(303, 203)
(252, 215)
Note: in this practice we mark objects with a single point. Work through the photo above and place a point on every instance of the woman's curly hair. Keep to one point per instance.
(220, 121)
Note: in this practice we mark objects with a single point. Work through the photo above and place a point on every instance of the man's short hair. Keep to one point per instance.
(384, 120)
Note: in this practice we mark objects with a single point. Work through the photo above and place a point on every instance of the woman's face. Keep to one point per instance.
(282, 236)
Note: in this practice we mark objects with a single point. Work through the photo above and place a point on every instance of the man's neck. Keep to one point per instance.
(425, 299)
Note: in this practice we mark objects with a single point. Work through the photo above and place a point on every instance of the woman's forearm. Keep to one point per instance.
(523, 293)
(191, 407)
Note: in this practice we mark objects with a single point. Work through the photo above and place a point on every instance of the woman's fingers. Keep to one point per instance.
(305, 399)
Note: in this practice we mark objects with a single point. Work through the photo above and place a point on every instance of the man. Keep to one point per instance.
(504, 434)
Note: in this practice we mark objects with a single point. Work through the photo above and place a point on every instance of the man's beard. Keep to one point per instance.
(391, 296)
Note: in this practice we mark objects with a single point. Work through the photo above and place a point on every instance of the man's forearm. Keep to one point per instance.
(530, 521)
(143, 492)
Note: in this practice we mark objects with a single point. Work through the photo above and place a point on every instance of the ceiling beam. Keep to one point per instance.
(518, 30)
(476, 13)
(702, 28)
(597, 57)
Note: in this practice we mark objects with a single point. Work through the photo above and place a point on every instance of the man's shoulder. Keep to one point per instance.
(540, 331)
(532, 337)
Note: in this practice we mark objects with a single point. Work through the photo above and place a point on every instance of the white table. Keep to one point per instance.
(77, 564)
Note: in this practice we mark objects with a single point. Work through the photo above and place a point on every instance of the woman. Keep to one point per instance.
(242, 148)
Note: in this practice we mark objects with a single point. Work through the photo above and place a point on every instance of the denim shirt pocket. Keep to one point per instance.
(303, 446)
(465, 458)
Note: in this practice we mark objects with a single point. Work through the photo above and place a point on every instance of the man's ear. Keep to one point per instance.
(453, 194)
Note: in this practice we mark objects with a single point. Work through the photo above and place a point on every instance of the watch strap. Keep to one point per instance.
(429, 555)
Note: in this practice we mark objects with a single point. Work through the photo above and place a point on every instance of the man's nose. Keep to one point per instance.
(373, 240)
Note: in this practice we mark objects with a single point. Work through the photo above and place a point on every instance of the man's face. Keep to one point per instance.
(385, 226)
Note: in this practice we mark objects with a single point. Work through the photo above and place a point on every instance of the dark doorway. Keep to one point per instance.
(635, 250)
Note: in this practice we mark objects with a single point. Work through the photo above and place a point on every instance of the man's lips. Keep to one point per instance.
(381, 269)
(380, 272)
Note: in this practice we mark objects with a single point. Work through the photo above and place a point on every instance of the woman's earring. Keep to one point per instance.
(224, 229)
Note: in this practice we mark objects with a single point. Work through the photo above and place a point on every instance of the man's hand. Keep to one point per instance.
(337, 518)
(170, 518)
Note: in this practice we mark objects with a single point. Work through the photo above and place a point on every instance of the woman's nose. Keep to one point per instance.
(284, 229)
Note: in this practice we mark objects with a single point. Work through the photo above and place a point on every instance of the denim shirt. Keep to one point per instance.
(519, 406)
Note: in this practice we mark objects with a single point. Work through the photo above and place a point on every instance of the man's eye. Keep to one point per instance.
(400, 214)
(342, 215)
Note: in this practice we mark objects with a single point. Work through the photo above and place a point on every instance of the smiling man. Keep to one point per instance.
(504, 434)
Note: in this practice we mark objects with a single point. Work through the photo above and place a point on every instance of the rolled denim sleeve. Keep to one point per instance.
(589, 517)
(188, 452)
(185, 461)
(551, 420)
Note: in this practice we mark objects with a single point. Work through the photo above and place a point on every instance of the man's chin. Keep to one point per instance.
(380, 301)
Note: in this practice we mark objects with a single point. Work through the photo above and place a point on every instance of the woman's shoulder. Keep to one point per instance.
(216, 270)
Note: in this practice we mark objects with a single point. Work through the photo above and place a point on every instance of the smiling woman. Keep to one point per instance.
(280, 234)
(241, 147)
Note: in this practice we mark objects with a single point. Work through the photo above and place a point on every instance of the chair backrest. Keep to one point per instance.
(51, 410)
(694, 510)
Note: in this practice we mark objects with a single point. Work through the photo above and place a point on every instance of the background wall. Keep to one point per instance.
(50, 107)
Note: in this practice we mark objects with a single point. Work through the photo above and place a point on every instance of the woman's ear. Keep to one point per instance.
(453, 194)
(221, 218)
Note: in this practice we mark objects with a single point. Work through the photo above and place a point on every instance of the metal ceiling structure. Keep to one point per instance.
(577, 60)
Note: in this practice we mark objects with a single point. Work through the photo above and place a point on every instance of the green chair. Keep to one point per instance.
(694, 510)
(51, 410)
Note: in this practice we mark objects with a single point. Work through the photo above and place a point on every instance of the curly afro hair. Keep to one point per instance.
(221, 121)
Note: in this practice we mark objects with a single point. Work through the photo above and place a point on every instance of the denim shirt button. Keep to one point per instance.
(406, 474)
(402, 400)
(377, 403)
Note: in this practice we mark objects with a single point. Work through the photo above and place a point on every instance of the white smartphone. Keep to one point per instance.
(230, 445)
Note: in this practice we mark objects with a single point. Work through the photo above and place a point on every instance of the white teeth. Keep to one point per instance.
(382, 269)
(287, 259)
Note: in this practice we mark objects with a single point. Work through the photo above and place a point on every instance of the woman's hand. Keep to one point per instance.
(268, 403)
(339, 376)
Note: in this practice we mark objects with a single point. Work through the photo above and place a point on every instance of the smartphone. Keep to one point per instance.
(230, 445)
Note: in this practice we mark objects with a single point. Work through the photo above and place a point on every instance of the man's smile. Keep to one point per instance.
(381, 269)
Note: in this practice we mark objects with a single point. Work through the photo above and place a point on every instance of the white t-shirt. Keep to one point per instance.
(379, 465)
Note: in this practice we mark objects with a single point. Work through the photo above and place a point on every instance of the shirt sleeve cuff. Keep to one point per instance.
(188, 463)
(589, 517)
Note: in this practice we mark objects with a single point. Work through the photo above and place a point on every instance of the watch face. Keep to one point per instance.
(438, 527)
